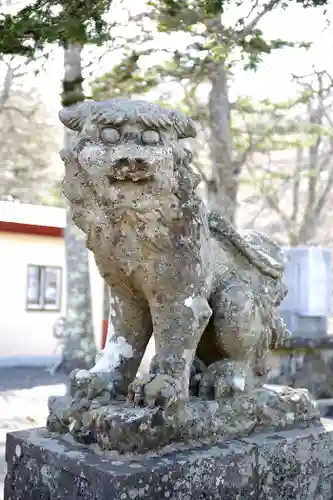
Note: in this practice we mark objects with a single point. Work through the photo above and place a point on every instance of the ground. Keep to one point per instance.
(23, 402)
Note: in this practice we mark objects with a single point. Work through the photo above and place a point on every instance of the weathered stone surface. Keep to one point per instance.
(296, 464)
(288, 465)
(174, 269)
(130, 428)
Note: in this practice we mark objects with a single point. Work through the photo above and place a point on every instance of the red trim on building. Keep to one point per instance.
(105, 324)
(16, 227)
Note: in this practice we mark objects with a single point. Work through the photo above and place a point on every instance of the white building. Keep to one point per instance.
(33, 284)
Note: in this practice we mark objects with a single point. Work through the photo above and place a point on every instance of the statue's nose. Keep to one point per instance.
(130, 135)
(124, 162)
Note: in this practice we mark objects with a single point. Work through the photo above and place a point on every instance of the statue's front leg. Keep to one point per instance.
(179, 320)
(130, 329)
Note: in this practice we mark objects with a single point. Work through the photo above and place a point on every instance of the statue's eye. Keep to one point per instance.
(110, 135)
(150, 137)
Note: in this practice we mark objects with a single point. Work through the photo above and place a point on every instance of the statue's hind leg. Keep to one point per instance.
(236, 329)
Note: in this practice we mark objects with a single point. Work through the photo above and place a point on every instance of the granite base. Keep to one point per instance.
(290, 465)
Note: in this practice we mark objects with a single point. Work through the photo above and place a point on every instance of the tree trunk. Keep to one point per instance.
(222, 190)
(79, 348)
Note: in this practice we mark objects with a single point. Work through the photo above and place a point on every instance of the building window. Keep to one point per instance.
(44, 288)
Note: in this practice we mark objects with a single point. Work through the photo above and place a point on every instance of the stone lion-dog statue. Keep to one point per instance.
(175, 270)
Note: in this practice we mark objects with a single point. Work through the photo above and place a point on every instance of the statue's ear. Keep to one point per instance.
(73, 117)
(186, 129)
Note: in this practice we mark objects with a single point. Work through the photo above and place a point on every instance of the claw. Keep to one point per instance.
(154, 390)
(87, 384)
(136, 390)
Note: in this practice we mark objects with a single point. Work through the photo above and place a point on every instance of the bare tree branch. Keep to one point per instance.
(246, 30)
(27, 142)
(299, 191)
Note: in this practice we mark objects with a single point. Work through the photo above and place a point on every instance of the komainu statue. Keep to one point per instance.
(175, 271)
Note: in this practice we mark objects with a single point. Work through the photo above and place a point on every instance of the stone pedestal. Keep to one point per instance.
(290, 465)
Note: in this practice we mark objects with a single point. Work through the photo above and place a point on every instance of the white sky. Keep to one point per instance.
(273, 78)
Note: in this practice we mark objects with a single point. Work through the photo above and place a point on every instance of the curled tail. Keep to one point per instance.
(254, 246)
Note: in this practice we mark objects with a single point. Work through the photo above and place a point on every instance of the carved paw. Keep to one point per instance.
(222, 379)
(85, 384)
(155, 390)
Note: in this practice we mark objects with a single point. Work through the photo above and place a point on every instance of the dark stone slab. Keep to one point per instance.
(295, 464)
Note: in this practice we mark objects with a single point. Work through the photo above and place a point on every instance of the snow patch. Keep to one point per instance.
(148, 356)
(188, 355)
(82, 375)
(199, 307)
(239, 382)
(115, 349)
(18, 450)
(188, 302)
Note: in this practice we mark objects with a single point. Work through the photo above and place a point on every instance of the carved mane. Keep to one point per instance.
(117, 111)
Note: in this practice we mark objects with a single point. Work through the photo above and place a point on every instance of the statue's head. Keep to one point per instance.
(124, 140)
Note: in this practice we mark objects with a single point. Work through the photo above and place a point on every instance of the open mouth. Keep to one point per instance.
(130, 171)
(126, 179)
